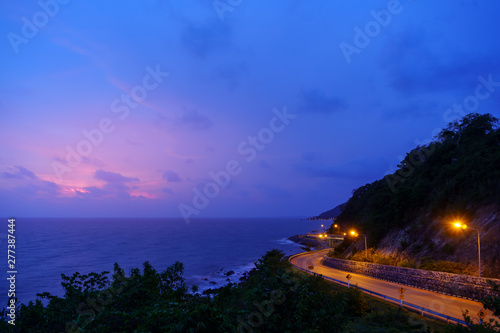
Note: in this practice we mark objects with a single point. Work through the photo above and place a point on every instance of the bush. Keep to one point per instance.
(356, 302)
(444, 266)
(407, 263)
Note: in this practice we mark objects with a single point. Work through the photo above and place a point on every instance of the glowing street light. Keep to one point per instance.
(462, 226)
(355, 234)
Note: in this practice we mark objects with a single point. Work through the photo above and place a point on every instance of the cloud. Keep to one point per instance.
(414, 66)
(18, 172)
(112, 177)
(194, 120)
(231, 74)
(363, 167)
(92, 191)
(115, 186)
(27, 184)
(171, 176)
(202, 39)
(316, 101)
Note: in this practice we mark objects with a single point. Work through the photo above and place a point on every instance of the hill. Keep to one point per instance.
(330, 214)
(456, 177)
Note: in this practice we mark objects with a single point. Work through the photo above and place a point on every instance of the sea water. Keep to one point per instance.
(208, 248)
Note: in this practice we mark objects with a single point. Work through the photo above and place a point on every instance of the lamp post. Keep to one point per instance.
(464, 226)
(355, 234)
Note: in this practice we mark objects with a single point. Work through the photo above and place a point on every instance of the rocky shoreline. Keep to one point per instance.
(309, 242)
(236, 276)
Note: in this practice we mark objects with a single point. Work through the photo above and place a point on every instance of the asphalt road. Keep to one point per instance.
(447, 305)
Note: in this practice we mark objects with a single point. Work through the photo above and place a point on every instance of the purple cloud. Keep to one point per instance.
(26, 183)
(19, 172)
(171, 176)
(112, 177)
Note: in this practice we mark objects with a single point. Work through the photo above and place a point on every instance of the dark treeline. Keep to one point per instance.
(274, 298)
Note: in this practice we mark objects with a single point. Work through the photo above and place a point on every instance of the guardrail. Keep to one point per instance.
(384, 297)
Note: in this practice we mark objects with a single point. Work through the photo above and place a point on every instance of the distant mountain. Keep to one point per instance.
(330, 214)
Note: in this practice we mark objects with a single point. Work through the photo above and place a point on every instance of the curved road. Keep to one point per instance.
(447, 305)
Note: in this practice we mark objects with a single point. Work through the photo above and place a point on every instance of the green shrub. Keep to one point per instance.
(445, 266)
(407, 263)
(356, 302)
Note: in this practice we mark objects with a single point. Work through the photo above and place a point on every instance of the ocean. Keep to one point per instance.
(208, 248)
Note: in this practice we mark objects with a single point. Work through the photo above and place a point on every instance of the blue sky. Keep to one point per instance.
(291, 105)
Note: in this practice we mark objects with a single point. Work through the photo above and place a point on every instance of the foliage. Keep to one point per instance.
(440, 177)
(407, 263)
(491, 302)
(356, 302)
(393, 321)
(444, 266)
(344, 245)
(486, 326)
(332, 253)
(274, 298)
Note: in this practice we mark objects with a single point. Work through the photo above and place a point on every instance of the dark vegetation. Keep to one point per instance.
(275, 298)
(457, 173)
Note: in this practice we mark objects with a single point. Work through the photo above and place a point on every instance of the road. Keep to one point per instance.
(444, 304)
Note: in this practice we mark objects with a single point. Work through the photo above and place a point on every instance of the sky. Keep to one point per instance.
(228, 108)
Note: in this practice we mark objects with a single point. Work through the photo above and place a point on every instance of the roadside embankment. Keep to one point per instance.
(465, 286)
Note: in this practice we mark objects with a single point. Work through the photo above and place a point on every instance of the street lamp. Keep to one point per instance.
(462, 226)
(336, 226)
(355, 234)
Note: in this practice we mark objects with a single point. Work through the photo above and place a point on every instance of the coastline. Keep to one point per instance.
(306, 241)
(236, 274)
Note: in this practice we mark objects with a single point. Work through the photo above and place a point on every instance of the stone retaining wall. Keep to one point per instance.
(466, 286)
